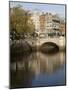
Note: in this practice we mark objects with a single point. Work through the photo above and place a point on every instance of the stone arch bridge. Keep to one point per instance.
(59, 41)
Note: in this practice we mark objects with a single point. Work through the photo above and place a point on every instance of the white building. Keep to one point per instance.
(52, 23)
(48, 23)
(56, 23)
(35, 19)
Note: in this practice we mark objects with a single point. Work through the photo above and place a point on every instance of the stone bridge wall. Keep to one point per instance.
(59, 41)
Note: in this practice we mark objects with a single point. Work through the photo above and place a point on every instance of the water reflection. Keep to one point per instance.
(38, 70)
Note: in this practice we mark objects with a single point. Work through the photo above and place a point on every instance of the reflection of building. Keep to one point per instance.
(40, 63)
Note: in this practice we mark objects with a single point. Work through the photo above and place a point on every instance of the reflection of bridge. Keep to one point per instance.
(38, 62)
(59, 41)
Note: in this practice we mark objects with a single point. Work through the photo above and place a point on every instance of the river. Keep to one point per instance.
(38, 69)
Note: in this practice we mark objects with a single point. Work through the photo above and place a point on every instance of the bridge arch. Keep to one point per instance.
(49, 47)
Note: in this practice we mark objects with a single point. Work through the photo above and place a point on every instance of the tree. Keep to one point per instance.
(19, 20)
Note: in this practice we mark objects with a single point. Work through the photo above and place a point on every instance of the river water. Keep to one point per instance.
(38, 69)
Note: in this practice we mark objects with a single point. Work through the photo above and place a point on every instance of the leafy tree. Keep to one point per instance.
(19, 21)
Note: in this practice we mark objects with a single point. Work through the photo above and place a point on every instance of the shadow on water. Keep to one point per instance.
(37, 69)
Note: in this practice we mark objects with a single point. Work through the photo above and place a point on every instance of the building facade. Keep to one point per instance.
(35, 19)
(47, 23)
(42, 22)
(62, 27)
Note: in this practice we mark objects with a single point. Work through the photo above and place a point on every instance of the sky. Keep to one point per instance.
(53, 8)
